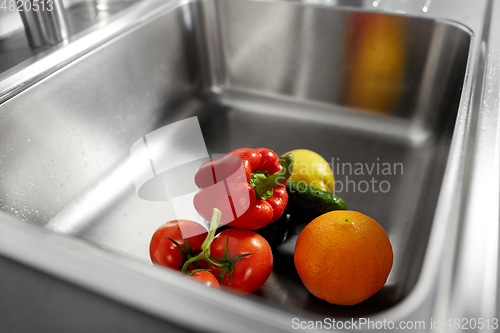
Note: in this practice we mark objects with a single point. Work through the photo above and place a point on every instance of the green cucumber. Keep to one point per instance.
(305, 203)
(313, 198)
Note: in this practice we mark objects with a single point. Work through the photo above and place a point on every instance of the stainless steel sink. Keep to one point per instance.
(365, 89)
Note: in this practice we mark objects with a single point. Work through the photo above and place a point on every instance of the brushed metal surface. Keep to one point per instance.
(268, 74)
(76, 16)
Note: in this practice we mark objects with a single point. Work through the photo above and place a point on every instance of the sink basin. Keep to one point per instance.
(377, 95)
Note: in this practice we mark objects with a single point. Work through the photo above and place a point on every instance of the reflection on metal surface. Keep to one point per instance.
(375, 61)
(426, 6)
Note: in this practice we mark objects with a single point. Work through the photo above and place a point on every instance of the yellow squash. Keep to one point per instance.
(312, 169)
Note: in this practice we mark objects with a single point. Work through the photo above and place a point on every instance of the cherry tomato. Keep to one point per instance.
(206, 278)
(164, 252)
(250, 272)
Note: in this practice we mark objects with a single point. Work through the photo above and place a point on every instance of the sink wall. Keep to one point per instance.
(280, 75)
(409, 68)
(60, 136)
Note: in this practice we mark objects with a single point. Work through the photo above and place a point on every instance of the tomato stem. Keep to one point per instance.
(201, 256)
(205, 247)
(187, 253)
(227, 263)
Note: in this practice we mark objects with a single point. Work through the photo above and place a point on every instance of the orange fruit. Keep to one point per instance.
(343, 257)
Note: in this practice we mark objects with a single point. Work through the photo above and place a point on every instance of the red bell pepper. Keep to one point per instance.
(246, 185)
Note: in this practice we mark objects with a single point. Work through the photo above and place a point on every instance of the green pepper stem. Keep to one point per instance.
(279, 178)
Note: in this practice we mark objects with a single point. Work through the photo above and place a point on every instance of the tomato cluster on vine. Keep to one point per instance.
(235, 259)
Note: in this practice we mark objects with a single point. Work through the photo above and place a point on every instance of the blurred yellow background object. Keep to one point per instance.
(376, 58)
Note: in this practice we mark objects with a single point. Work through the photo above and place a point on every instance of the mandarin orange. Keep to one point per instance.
(343, 257)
